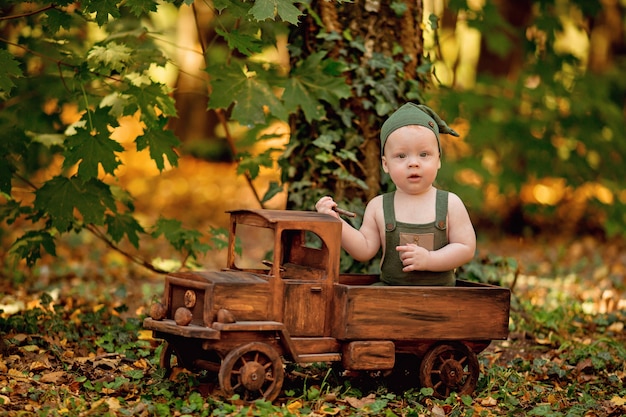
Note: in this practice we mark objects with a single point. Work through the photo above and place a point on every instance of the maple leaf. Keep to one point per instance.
(60, 196)
(313, 81)
(161, 144)
(102, 9)
(269, 9)
(140, 7)
(10, 68)
(244, 43)
(147, 98)
(251, 92)
(179, 237)
(237, 8)
(124, 224)
(29, 246)
(91, 150)
(6, 172)
(113, 56)
(57, 19)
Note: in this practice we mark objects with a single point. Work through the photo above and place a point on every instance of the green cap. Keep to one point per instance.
(414, 114)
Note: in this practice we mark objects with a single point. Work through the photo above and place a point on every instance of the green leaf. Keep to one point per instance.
(10, 211)
(179, 237)
(90, 151)
(310, 84)
(161, 144)
(6, 173)
(29, 246)
(274, 188)
(111, 57)
(244, 43)
(237, 8)
(102, 9)
(146, 98)
(252, 164)
(60, 196)
(57, 19)
(250, 91)
(141, 7)
(269, 9)
(124, 224)
(9, 68)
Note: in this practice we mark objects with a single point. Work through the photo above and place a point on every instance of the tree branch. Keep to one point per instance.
(34, 12)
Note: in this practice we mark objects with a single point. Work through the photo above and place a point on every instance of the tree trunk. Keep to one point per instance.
(379, 30)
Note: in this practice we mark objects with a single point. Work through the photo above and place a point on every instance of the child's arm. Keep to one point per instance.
(459, 250)
(361, 244)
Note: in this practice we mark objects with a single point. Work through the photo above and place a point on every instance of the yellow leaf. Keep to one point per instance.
(329, 411)
(294, 407)
(74, 316)
(38, 366)
(144, 335)
(4, 400)
(113, 403)
(619, 401)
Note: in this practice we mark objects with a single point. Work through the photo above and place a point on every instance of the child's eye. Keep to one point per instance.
(424, 154)
(401, 155)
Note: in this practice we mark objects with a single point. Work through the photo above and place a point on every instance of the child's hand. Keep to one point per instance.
(326, 205)
(413, 257)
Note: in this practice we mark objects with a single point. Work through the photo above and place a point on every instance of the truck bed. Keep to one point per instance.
(468, 311)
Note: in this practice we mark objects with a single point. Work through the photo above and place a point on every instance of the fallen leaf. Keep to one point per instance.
(53, 377)
(294, 407)
(39, 366)
(438, 411)
(361, 402)
(4, 400)
(489, 402)
(619, 401)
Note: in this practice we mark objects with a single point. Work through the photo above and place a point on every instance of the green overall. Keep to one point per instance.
(432, 236)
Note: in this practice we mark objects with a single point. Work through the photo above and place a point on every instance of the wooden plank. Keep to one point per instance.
(407, 313)
(163, 328)
(246, 302)
(309, 345)
(369, 355)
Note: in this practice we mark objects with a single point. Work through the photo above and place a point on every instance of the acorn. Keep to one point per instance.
(158, 311)
(183, 316)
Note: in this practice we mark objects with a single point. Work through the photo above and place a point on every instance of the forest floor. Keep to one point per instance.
(567, 293)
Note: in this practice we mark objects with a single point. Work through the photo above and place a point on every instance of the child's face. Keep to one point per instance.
(411, 157)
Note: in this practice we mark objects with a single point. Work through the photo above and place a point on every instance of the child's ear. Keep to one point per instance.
(384, 162)
(439, 162)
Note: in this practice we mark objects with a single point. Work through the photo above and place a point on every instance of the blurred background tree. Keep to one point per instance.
(535, 88)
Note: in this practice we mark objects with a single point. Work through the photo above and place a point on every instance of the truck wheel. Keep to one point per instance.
(253, 371)
(449, 367)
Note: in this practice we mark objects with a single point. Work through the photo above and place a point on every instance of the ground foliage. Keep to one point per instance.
(72, 341)
(73, 345)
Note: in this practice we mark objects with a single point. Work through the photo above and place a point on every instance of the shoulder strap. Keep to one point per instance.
(389, 211)
(441, 210)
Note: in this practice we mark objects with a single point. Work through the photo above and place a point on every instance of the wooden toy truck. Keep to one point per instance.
(243, 322)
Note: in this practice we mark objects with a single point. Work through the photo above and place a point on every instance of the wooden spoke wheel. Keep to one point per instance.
(450, 367)
(253, 371)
